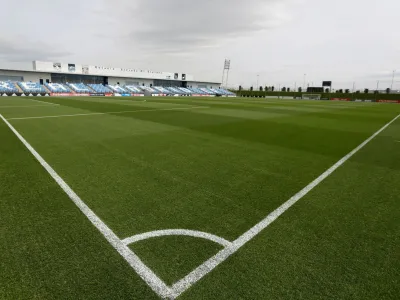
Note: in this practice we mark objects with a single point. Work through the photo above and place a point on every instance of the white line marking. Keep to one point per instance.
(134, 261)
(185, 283)
(198, 273)
(193, 233)
(12, 106)
(110, 112)
(42, 101)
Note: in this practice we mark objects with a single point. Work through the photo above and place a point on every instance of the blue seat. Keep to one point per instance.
(57, 88)
(31, 87)
(99, 88)
(8, 87)
(117, 89)
(79, 88)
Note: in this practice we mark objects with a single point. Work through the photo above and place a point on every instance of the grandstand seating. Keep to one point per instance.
(175, 91)
(162, 90)
(185, 91)
(223, 92)
(207, 91)
(133, 89)
(197, 91)
(79, 88)
(8, 87)
(99, 88)
(149, 89)
(31, 87)
(57, 88)
(117, 89)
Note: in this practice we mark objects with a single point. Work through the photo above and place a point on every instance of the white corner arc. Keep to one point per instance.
(168, 232)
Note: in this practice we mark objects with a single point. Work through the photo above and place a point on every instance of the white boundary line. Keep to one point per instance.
(169, 232)
(198, 273)
(13, 106)
(157, 285)
(42, 101)
(110, 112)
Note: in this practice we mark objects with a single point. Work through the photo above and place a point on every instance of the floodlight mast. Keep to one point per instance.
(391, 87)
(225, 72)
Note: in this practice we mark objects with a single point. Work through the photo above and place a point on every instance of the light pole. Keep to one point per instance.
(391, 87)
(377, 86)
(304, 83)
(257, 81)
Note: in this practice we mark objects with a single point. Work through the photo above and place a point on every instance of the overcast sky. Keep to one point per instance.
(344, 41)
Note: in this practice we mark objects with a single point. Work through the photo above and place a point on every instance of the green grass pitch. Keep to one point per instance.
(212, 165)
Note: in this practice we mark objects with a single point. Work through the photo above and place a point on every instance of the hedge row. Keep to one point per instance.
(323, 95)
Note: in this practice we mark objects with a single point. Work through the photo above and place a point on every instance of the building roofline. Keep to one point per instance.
(102, 75)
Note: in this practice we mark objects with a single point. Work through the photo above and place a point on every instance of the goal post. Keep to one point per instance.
(311, 96)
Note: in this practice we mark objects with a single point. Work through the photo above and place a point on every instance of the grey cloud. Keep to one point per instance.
(11, 51)
(384, 74)
(176, 25)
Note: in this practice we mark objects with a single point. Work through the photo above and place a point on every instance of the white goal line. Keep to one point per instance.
(110, 112)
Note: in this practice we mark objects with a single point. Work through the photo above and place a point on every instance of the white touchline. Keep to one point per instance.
(13, 106)
(42, 101)
(230, 248)
(110, 112)
(134, 261)
(182, 285)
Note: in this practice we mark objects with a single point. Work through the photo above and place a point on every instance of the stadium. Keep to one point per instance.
(280, 181)
(61, 79)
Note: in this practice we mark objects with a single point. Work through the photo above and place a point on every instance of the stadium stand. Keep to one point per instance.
(99, 88)
(185, 91)
(31, 87)
(57, 88)
(8, 87)
(79, 88)
(197, 91)
(133, 89)
(207, 91)
(149, 89)
(175, 91)
(223, 92)
(117, 89)
(162, 90)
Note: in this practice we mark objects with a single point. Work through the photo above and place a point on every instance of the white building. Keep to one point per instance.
(57, 72)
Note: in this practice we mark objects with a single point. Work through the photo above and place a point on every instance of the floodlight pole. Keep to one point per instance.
(227, 65)
(304, 82)
(257, 87)
(391, 87)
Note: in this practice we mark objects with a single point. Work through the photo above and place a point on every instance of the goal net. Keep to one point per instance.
(311, 96)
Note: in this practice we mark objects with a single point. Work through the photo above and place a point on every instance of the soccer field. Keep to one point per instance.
(189, 198)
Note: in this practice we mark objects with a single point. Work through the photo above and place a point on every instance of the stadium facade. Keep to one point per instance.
(47, 72)
(67, 79)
